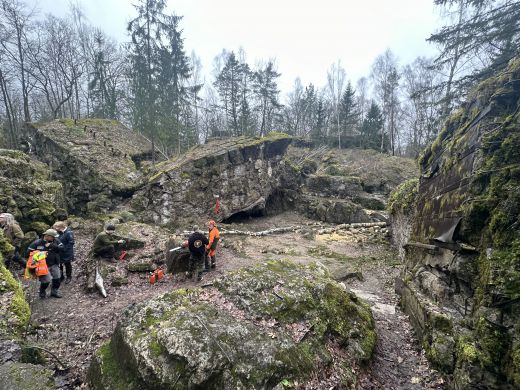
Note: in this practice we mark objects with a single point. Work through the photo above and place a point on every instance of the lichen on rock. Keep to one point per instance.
(468, 207)
(254, 328)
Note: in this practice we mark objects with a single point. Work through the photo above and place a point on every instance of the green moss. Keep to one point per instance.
(309, 166)
(5, 246)
(466, 351)
(18, 306)
(32, 355)
(514, 367)
(442, 323)
(156, 349)
(276, 135)
(493, 342)
(402, 199)
(110, 375)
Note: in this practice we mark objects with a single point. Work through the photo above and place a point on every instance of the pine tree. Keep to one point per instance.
(372, 128)
(174, 94)
(318, 133)
(348, 112)
(146, 31)
(102, 89)
(266, 90)
(228, 86)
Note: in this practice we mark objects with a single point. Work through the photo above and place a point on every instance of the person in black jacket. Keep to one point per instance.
(67, 256)
(197, 245)
(53, 247)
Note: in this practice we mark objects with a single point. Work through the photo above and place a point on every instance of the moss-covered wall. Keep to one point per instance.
(468, 205)
(28, 192)
(242, 171)
(93, 158)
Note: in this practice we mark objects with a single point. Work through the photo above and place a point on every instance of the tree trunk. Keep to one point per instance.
(8, 111)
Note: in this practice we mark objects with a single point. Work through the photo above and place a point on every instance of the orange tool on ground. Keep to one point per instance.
(157, 275)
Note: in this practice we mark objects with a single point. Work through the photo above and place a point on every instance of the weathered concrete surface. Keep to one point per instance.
(243, 172)
(97, 160)
(462, 290)
(259, 327)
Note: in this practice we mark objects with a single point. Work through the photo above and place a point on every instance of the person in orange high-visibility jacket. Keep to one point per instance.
(213, 238)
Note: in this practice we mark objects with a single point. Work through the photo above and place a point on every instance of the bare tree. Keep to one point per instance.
(16, 24)
(56, 64)
(420, 108)
(363, 101)
(336, 76)
(385, 77)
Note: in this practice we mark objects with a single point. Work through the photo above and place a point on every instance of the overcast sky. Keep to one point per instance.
(304, 36)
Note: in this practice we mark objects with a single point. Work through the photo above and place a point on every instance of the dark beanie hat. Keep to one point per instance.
(110, 227)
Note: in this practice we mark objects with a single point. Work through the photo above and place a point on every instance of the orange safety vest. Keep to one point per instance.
(213, 234)
(36, 264)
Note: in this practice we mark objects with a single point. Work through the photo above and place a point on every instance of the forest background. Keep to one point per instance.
(63, 67)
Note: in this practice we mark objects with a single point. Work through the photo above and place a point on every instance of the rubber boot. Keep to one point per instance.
(43, 290)
(54, 290)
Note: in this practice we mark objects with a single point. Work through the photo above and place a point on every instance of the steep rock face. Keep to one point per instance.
(27, 191)
(97, 160)
(243, 172)
(461, 282)
(253, 329)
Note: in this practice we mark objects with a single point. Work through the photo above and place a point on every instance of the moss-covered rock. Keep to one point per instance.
(22, 376)
(244, 172)
(28, 191)
(255, 328)
(5, 246)
(402, 199)
(14, 309)
(97, 160)
(468, 206)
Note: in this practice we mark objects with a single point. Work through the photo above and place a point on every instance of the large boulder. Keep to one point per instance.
(28, 191)
(97, 160)
(242, 172)
(23, 376)
(461, 281)
(274, 324)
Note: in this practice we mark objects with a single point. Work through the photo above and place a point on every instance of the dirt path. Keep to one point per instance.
(75, 326)
(397, 362)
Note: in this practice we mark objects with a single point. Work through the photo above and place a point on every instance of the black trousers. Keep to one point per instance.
(68, 269)
(106, 252)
